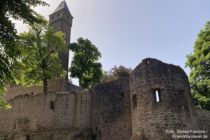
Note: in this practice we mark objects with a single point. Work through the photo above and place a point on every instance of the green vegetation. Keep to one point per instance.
(117, 72)
(84, 64)
(199, 63)
(39, 59)
(9, 40)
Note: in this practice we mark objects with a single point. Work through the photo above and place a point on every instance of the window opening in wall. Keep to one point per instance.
(5, 137)
(58, 15)
(28, 137)
(52, 105)
(157, 95)
(14, 125)
(134, 99)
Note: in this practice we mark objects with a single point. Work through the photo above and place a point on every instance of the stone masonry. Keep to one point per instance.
(123, 109)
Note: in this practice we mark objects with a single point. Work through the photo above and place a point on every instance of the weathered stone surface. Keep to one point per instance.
(174, 111)
(110, 115)
(124, 109)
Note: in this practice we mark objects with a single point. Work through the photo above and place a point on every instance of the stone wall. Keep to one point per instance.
(111, 116)
(203, 120)
(150, 118)
(35, 113)
(124, 109)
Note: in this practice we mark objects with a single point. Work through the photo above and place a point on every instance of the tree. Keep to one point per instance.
(199, 63)
(117, 72)
(39, 59)
(17, 9)
(9, 48)
(85, 65)
(9, 45)
(121, 71)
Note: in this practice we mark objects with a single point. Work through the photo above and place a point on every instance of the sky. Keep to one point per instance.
(127, 31)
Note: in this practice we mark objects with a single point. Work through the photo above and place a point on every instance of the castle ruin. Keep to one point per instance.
(150, 104)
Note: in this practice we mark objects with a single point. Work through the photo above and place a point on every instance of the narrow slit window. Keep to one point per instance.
(52, 105)
(134, 99)
(157, 95)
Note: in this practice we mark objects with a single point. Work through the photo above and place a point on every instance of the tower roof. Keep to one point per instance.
(62, 6)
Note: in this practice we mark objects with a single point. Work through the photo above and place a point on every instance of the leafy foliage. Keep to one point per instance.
(17, 9)
(84, 64)
(9, 45)
(117, 72)
(199, 63)
(39, 55)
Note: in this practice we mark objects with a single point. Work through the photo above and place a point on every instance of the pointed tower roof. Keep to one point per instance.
(62, 6)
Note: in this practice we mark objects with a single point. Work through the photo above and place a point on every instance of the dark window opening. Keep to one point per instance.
(5, 137)
(58, 15)
(28, 137)
(14, 126)
(157, 96)
(52, 105)
(134, 99)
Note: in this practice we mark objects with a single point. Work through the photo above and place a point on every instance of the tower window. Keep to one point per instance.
(58, 15)
(52, 105)
(156, 94)
(134, 99)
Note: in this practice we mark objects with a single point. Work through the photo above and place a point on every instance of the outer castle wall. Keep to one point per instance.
(124, 109)
(111, 114)
(38, 113)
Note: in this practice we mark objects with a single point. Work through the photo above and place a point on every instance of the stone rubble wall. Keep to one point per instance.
(33, 112)
(151, 119)
(111, 116)
(203, 120)
(123, 109)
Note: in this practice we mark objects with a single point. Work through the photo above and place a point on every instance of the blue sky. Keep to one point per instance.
(127, 31)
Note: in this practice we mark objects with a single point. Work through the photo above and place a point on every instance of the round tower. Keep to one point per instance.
(161, 101)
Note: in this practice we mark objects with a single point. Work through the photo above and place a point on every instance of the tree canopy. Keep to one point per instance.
(199, 63)
(17, 9)
(117, 72)
(85, 65)
(39, 59)
(9, 40)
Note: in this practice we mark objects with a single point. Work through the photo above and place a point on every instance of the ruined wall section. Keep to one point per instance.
(203, 120)
(39, 112)
(151, 119)
(72, 110)
(111, 116)
(28, 113)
